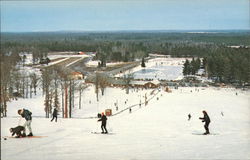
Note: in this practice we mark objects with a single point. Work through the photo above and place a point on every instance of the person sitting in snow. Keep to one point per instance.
(104, 122)
(205, 119)
(18, 131)
(54, 114)
(27, 115)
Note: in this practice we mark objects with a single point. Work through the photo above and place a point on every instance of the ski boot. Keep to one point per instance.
(29, 135)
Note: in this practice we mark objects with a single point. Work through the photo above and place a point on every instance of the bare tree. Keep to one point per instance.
(8, 60)
(81, 88)
(16, 76)
(64, 79)
(47, 78)
(127, 80)
(34, 81)
(103, 82)
(97, 77)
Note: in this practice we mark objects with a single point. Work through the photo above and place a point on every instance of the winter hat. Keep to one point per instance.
(19, 111)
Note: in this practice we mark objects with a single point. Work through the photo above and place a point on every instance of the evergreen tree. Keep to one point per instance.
(186, 68)
(193, 66)
(143, 63)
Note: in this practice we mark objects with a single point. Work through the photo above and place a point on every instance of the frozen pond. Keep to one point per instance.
(159, 69)
(159, 73)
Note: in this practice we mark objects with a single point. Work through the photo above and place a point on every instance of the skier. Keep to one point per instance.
(27, 115)
(104, 122)
(205, 119)
(18, 131)
(222, 113)
(54, 115)
(189, 116)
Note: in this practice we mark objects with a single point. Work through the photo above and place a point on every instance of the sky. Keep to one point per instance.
(116, 15)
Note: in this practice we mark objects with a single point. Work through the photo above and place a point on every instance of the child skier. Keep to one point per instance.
(54, 114)
(27, 115)
(205, 119)
(104, 121)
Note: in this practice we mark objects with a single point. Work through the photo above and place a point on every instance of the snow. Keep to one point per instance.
(158, 69)
(159, 130)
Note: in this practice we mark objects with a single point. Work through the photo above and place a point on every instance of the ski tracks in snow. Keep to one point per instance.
(45, 141)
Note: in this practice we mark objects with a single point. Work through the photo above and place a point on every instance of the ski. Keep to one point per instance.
(205, 134)
(26, 137)
(102, 133)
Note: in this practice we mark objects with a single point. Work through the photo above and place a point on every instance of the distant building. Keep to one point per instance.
(76, 75)
(152, 84)
(82, 53)
(145, 84)
(237, 47)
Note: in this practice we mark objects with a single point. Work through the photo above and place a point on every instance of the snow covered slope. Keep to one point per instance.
(160, 130)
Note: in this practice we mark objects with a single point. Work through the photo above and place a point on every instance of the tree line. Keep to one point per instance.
(224, 65)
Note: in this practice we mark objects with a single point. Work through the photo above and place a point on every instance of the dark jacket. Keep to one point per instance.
(103, 119)
(205, 119)
(17, 130)
(55, 112)
(26, 114)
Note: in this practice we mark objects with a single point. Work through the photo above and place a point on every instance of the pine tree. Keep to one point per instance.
(143, 63)
(186, 68)
(193, 66)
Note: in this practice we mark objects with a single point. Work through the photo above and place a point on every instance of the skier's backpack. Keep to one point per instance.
(29, 113)
(99, 115)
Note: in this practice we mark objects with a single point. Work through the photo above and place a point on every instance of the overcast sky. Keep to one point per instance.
(108, 15)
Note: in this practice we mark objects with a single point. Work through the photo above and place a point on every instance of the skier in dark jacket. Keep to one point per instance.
(205, 119)
(54, 114)
(189, 116)
(104, 122)
(27, 115)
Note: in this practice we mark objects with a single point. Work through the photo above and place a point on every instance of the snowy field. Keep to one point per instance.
(160, 130)
(159, 69)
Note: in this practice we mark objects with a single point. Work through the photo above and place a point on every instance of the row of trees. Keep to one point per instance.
(191, 67)
(16, 82)
(225, 65)
(58, 82)
(229, 65)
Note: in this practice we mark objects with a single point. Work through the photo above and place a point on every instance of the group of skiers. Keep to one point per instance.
(27, 115)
